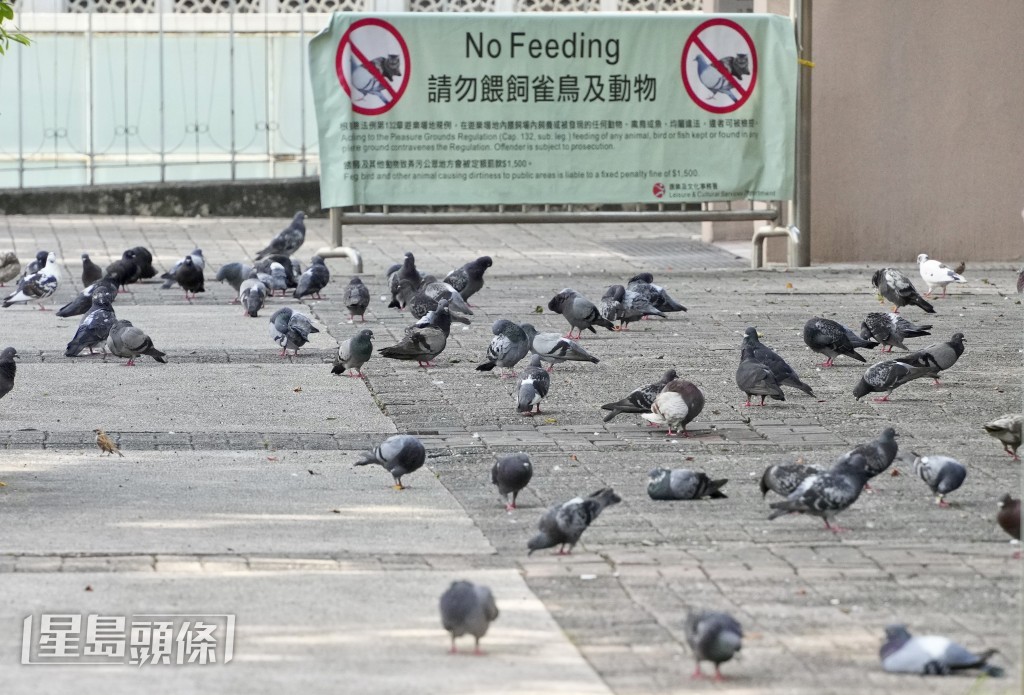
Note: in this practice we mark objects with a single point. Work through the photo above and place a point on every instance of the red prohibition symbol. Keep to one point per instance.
(373, 66)
(719, 65)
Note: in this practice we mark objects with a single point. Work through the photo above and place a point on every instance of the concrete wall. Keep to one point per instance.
(918, 130)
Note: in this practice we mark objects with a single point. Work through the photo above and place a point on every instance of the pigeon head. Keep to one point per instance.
(41, 257)
(188, 261)
(197, 252)
(356, 281)
(128, 255)
(539, 542)
(317, 260)
(877, 278)
(484, 261)
(85, 256)
(499, 326)
(889, 434)
(365, 333)
(535, 361)
(299, 216)
(51, 258)
(658, 474)
(921, 258)
(615, 292)
(10, 353)
(958, 338)
(865, 332)
(1004, 501)
(861, 389)
(642, 277)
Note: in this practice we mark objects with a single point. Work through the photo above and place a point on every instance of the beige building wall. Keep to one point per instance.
(918, 130)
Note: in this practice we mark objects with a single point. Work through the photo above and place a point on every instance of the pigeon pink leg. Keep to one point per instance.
(827, 363)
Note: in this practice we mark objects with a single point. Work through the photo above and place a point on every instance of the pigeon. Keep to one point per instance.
(467, 609)
(784, 478)
(357, 298)
(469, 279)
(287, 264)
(10, 267)
(679, 402)
(532, 388)
(122, 271)
(288, 240)
(35, 266)
(643, 284)
(890, 330)
(555, 349)
(753, 348)
(106, 444)
(683, 484)
(144, 259)
(579, 311)
(94, 327)
(563, 524)
(1020, 281)
(399, 455)
(37, 286)
(190, 277)
(442, 290)
(714, 80)
(234, 274)
(90, 271)
(878, 454)
(276, 280)
(440, 318)
(626, 306)
(420, 343)
(252, 294)
(83, 300)
(888, 376)
(930, 655)
(639, 399)
(511, 473)
(826, 494)
(296, 270)
(314, 279)
(125, 340)
(170, 277)
(828, 338)
(714, 637)
(936, 274)
(1007, 429)
(403, 281)
(290, 329)
(354, 353)
(7, 370)
(1008, 516)
(942, 356)
(508, 346)
(943, 474)
(897, 288)
(755, 379)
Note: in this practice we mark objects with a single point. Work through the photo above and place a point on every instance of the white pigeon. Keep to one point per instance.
(936, 274)
(38, 286)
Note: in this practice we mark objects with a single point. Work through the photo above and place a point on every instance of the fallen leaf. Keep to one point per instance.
(332, 418)
(335, 511)
(550, 421)
(572, 457)
(895, 473)
(538, 310)
(271, 458)
(88, 587)
(789, 285)
(311, 471)
(297, 389)
(3, 484)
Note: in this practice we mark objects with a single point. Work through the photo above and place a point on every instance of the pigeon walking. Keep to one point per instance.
(511, 473)
(7, 370)
(403, 281)
(234, 274)
(639, 399)
(357, 298)
(755, 379)
(643, 285)
(354, 353)
(579, 311)
(826, 494)
(190, 277)
(890, 330)
(438, 290)
(626, 306)
(942, 356)
(10, 267)
(753, 348)
(532, 388)
(420, 343)
(83, 300)
(1007, 429)
(275, 280)
(930, 655)
(683, 484)
(399, 455)
(469, 279)
(95, 326)
(125, 340)
(290, 329)
(563, 524)
(784, 478)
(943, 474)
(288, 240)
(828, 338)
(714, 637)
(315, 278)
(170, 278)
(898, 289)
(679, 402)
(555, 349)
(467, 609)
(888, 376)
(253, 295)
(878, 454)
(508, 346)
(90, 271)
(38, 286)
(936, 274)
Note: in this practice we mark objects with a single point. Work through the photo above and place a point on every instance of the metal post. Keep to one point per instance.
(231, 82)
(802, 194)
(163, 115)
(302, 87)
(21, 122)
(89, 114)
(340, 250)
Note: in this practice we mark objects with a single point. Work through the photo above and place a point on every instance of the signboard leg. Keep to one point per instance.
(802, 191)
(339, 250)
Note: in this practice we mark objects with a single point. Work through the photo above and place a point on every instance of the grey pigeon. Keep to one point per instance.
(626, 306)
(937, 274)
(38, 286)
(90, 271)
(276, 280)
(930, 655)
(785, 375)
(170, 277)
(467, 609)
(354, 353)
(643, 284)
(1007, 429)
(10, 267)
(314, 279)
(125, 340)
(7, 370)
(890, 330)
(784, 478)
(1020, 281)
(357, 298)
(555, 349)
(190, 276)
(290, 329)
(144, 259)
(234, 274)
(826, 494)
(399, 455)
(83, 300)
(755, 379)
(828, 338)
(939, 355)
(265, 265)
(125, 271)
(253, 295)
(532, 388)
(403, 282)
(469, 279)
(612, 306)
(714, 637)
(508, 346)
(639, 399)
(678, 404)
(878, 454)
(888, 376)
(442, 290)
(94, 327)
(898, 289)
(683, 484)
(422, 344)
(37, 264)
(563, 524)
(511, 473)
(579, 311)
(421, 304)
(288, 240)
(440, 318)
(943, 474)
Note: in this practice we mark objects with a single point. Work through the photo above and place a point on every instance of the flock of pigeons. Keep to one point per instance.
(671, 402)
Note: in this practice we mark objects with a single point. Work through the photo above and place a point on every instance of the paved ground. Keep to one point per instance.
(237, 494)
